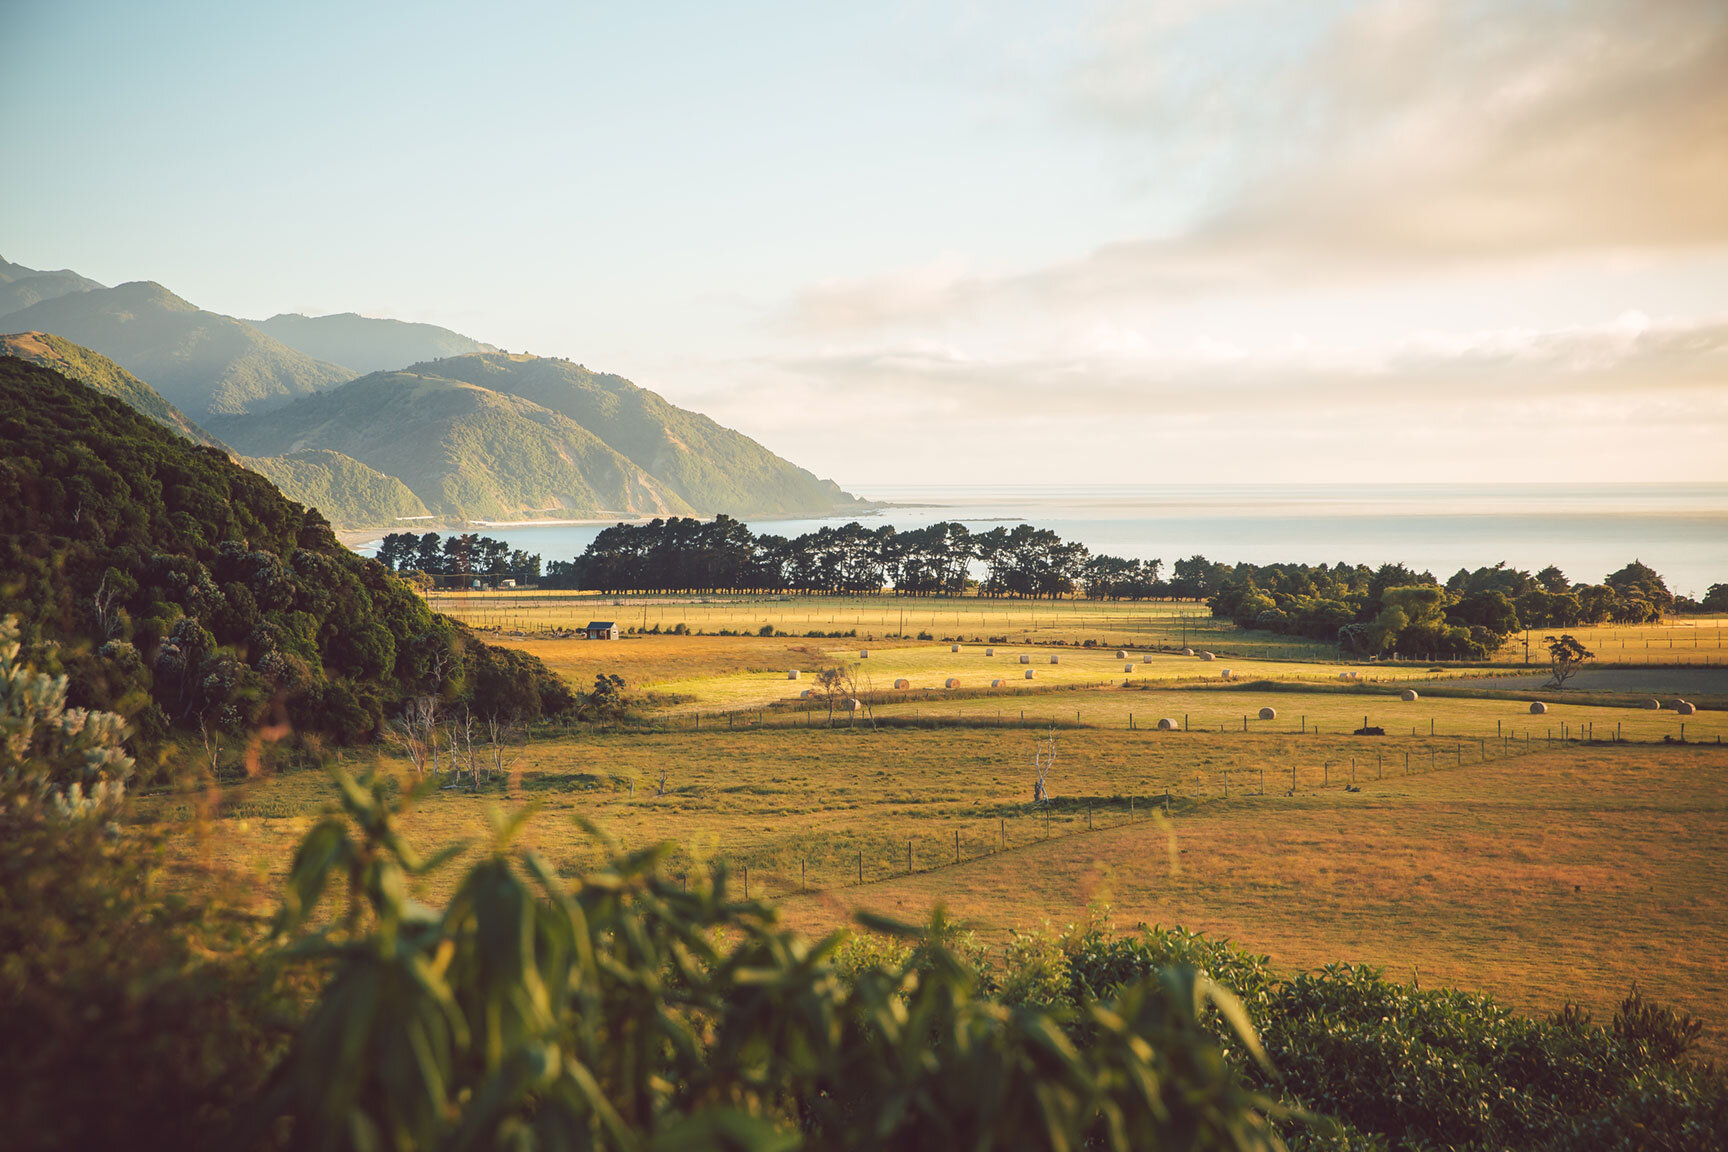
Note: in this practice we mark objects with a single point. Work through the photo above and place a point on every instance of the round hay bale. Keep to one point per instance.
(1225, 674)
(989, 651)
(1025, 659)
(792, 675)
(951, 682)
(1187, 651)
(1268, 713)
(1127, 667)
(1055, 659)
(863, 653)
(1653, 705)
(806, 694)
(1343, 675)
(851, 705)
(1167, 725)
(1205, 656)
(1537, 708)
(1146, 658)
(1407, 695)
(1030, 672)
(998, 684)
(1685, 707)
(902, 683)
(954, 648)
(1121, 655)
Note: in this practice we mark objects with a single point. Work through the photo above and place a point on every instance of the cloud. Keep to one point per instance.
(1405, 137)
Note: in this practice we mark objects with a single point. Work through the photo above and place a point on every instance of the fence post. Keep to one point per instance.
(908, 857)
(860, 867)
(956, 845)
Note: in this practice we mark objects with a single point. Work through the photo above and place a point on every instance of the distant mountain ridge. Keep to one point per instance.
(365, 343)
(465, 431)
(709, 466)
(466, 452)
(202, 362)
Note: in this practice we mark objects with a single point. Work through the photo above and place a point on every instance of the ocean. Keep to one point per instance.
(1589, 530)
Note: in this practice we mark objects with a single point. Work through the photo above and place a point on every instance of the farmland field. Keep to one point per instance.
(1694, 641)
(1559, 872)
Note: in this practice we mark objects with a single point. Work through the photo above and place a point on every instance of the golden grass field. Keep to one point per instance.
(1681, 640)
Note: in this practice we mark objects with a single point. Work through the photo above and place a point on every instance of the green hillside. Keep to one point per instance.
(178, 588)
(367, 344)
(105, 376)
(466, 452)
(21, 287)
(713, 468)
(347, 492)
(201, 362)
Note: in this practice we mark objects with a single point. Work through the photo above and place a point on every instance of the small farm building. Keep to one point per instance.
(601, 630)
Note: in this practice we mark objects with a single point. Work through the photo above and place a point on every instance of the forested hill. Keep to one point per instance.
(711, 467)
(99, 372)
(201, 362)
(178, 588)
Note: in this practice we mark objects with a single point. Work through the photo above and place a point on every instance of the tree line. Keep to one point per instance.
(460, 554)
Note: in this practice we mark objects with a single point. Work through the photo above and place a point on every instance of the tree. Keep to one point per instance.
(1716, 599)
(1565, 655)
(67, 762)
(1043, 759)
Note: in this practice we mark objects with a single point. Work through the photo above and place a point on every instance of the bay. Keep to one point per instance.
(1589, 530)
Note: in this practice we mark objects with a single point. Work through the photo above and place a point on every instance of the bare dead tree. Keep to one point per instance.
(1043, 759)
(107, 603)
(415, 733)
(499, 734)
(661, 790)
(212, 746)
(462, 752)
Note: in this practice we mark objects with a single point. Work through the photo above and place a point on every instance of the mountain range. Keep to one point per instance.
(373, 421)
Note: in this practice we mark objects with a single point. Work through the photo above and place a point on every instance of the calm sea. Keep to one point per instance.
(1681, 530)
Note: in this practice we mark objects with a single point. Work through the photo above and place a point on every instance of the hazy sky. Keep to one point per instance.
(994, 243)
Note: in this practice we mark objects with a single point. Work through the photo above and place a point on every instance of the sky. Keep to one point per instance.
(954, 243)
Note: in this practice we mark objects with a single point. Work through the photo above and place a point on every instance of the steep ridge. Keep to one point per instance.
(466, 452)
(367, 344)
(713, 468)
(347, 492)
(79, 363)
(202, 362)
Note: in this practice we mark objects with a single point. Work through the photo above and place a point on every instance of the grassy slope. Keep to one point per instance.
(715, 469)
(347, 492)
(464, 451)
(367, 344)
(99, 372)
(202, 362)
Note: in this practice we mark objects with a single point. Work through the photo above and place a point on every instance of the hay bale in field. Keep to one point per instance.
(954, 648)
(902, 683)
(1653, 705)
(1167, 725)
(863, 653)
(1146, 658)
(951, 682)
(1685, 707)
(1205, 656)
(1055, 659)
(1407, 695)
(998, 684)
(1121, 654)
(1343, 675)
(1224, 674)
(1537, 708)
(806, 694)
(1127, 667)
(1187, 651)
(1030, 672)
(792, 675)
(1025, 659)
(1268, 713)
(989, 651)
